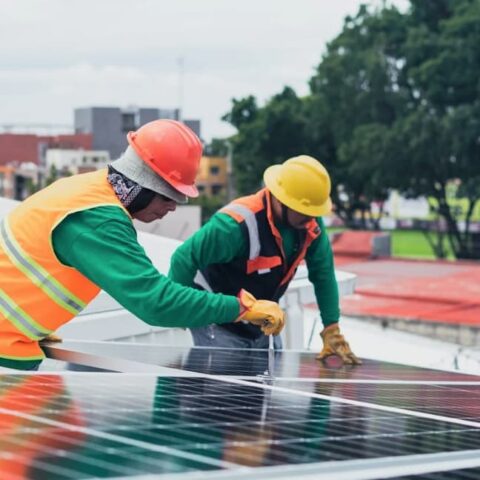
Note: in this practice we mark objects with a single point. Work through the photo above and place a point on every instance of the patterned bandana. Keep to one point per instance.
(125, 189)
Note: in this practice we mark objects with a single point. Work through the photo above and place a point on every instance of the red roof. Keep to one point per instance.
(21, 148)
(432, 291)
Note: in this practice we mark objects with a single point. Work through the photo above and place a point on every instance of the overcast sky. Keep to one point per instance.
(60, 54)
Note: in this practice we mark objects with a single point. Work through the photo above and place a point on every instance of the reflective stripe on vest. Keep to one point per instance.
(37, 274)
(252, 227)
(26, 324)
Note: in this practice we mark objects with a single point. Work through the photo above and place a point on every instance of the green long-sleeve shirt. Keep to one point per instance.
(102, 244)
(221, 240)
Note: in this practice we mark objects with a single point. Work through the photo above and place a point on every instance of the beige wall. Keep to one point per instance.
(212, 175)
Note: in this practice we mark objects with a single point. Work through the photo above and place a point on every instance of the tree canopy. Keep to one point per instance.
(394, 103)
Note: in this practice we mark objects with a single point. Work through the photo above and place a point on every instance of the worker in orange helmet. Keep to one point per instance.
(62, 245)
(257, 242)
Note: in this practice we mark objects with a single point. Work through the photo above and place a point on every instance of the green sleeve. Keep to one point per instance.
(220, 240)
(321, 272)
(102, 244)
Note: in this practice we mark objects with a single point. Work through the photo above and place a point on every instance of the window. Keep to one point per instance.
(128, 122)
(216, 189)
(214, 170)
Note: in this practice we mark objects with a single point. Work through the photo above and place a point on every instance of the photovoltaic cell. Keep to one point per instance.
(453, 401)
(109, 425)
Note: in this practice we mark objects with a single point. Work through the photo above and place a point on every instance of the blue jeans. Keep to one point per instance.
(216, 336)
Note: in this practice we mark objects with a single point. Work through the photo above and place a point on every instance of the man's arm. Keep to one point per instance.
(321, 272)
(218, 241)
(101, 243)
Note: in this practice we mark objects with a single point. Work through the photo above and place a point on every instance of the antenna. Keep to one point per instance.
(180, 64)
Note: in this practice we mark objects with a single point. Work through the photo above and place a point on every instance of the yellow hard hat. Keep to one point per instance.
(302, 184)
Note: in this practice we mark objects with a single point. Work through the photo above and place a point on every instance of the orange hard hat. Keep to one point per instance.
(171, 150)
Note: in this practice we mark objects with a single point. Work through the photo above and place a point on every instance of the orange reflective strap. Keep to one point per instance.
(263, 264)
(312, 233)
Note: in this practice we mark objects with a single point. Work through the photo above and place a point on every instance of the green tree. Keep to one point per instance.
(52, 175)
(400, 94)
(266, 136)
(355, 100)
(394, 104)
(216, 148)
(437, 139)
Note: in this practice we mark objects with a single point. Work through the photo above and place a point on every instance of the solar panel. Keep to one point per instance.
(86, 425)
(187, 411)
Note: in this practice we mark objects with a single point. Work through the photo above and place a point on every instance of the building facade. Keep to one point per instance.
(212, 176)
(76, 161)
(18, 148)
(109, 126)
(17, 183)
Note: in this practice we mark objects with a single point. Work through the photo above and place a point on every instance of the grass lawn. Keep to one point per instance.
(412, 243)
(408, 243)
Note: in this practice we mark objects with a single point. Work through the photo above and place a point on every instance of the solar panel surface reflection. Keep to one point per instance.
(101, 425)
(312, 418)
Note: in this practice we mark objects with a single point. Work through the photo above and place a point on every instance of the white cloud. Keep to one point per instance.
(58, 55)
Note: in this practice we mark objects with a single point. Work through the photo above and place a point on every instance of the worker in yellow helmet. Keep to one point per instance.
(257, 242)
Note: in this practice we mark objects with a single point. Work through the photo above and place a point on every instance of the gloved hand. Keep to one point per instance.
(51, 337)
(264, 313)
(334, 343)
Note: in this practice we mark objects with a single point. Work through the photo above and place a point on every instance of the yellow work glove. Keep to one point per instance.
(264, 313)
(334, 343)
(52, 338)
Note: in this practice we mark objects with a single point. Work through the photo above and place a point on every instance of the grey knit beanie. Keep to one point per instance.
(134, 168)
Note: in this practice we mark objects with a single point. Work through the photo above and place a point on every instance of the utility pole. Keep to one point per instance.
(230, 187)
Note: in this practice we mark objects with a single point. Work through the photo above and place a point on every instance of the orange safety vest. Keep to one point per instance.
(38, 293)
(265, 271)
